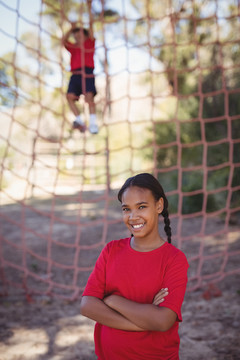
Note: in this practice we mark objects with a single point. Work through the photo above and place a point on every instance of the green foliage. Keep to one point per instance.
(218, 178)
(213, 106)
(236, 153)
(216, 130)
(236, 176)
(165, 132)
(57, 10)
(217, 154)
(192, 156)
(8, 155)
(208, 66)
(188, 108)
(234, 102)
(192, 203)
(190, 132)
(7, 90)
(217, 201)
(169, 180)
(192, 180)
(235, 199)
(173, 203)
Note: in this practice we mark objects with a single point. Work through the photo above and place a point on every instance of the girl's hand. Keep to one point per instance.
(73, 24)
(110, 300)
(107, 300)
(159, 297)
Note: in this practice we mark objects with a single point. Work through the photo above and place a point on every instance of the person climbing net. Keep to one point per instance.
(82, 80)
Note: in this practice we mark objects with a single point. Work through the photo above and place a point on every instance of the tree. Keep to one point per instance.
(201, 54)
(8, 93)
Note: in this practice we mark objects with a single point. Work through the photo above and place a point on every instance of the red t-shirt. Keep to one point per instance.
(138, 276)
(81, 57)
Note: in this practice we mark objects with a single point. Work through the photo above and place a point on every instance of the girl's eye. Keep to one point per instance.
(125, 209)
(142, 207)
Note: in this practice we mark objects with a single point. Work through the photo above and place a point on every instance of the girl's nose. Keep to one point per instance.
(133, 215)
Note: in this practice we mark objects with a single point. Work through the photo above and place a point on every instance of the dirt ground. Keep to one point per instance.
(49, 328)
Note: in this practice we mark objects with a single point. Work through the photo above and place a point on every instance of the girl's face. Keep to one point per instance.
(140, 212)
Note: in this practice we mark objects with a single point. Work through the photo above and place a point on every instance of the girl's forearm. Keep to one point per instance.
(97, 310)
(146, 316)
(66, 37)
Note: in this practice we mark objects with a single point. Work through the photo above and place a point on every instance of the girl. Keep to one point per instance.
(82, 80)
(136, 289)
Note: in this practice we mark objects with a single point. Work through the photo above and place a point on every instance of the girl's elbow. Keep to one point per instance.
(82, 310)
(159, 327)
(165, 327)
(84, 307)
(88, 305)
(167, 320)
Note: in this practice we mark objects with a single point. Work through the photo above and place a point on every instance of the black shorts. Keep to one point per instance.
(82, 83)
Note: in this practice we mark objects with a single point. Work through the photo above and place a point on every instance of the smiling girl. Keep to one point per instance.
(137, 287)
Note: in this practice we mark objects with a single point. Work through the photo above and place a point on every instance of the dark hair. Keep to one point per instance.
(77, 29)
(148, 181)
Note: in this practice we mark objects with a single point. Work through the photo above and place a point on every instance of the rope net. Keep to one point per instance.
(167, 78)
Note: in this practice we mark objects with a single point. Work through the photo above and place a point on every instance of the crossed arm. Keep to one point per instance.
(117, 312)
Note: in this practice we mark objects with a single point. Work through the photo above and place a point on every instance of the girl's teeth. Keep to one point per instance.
(137, 226)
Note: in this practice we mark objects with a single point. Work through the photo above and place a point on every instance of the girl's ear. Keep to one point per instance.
(160, 205)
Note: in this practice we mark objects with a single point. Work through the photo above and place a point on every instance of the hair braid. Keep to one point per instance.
(167, 227)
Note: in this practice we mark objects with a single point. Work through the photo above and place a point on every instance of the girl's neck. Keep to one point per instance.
(142, 245)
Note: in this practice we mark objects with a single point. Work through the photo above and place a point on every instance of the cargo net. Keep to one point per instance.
(168, 102)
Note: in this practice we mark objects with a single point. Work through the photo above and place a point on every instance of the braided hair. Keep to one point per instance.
(148, 181)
